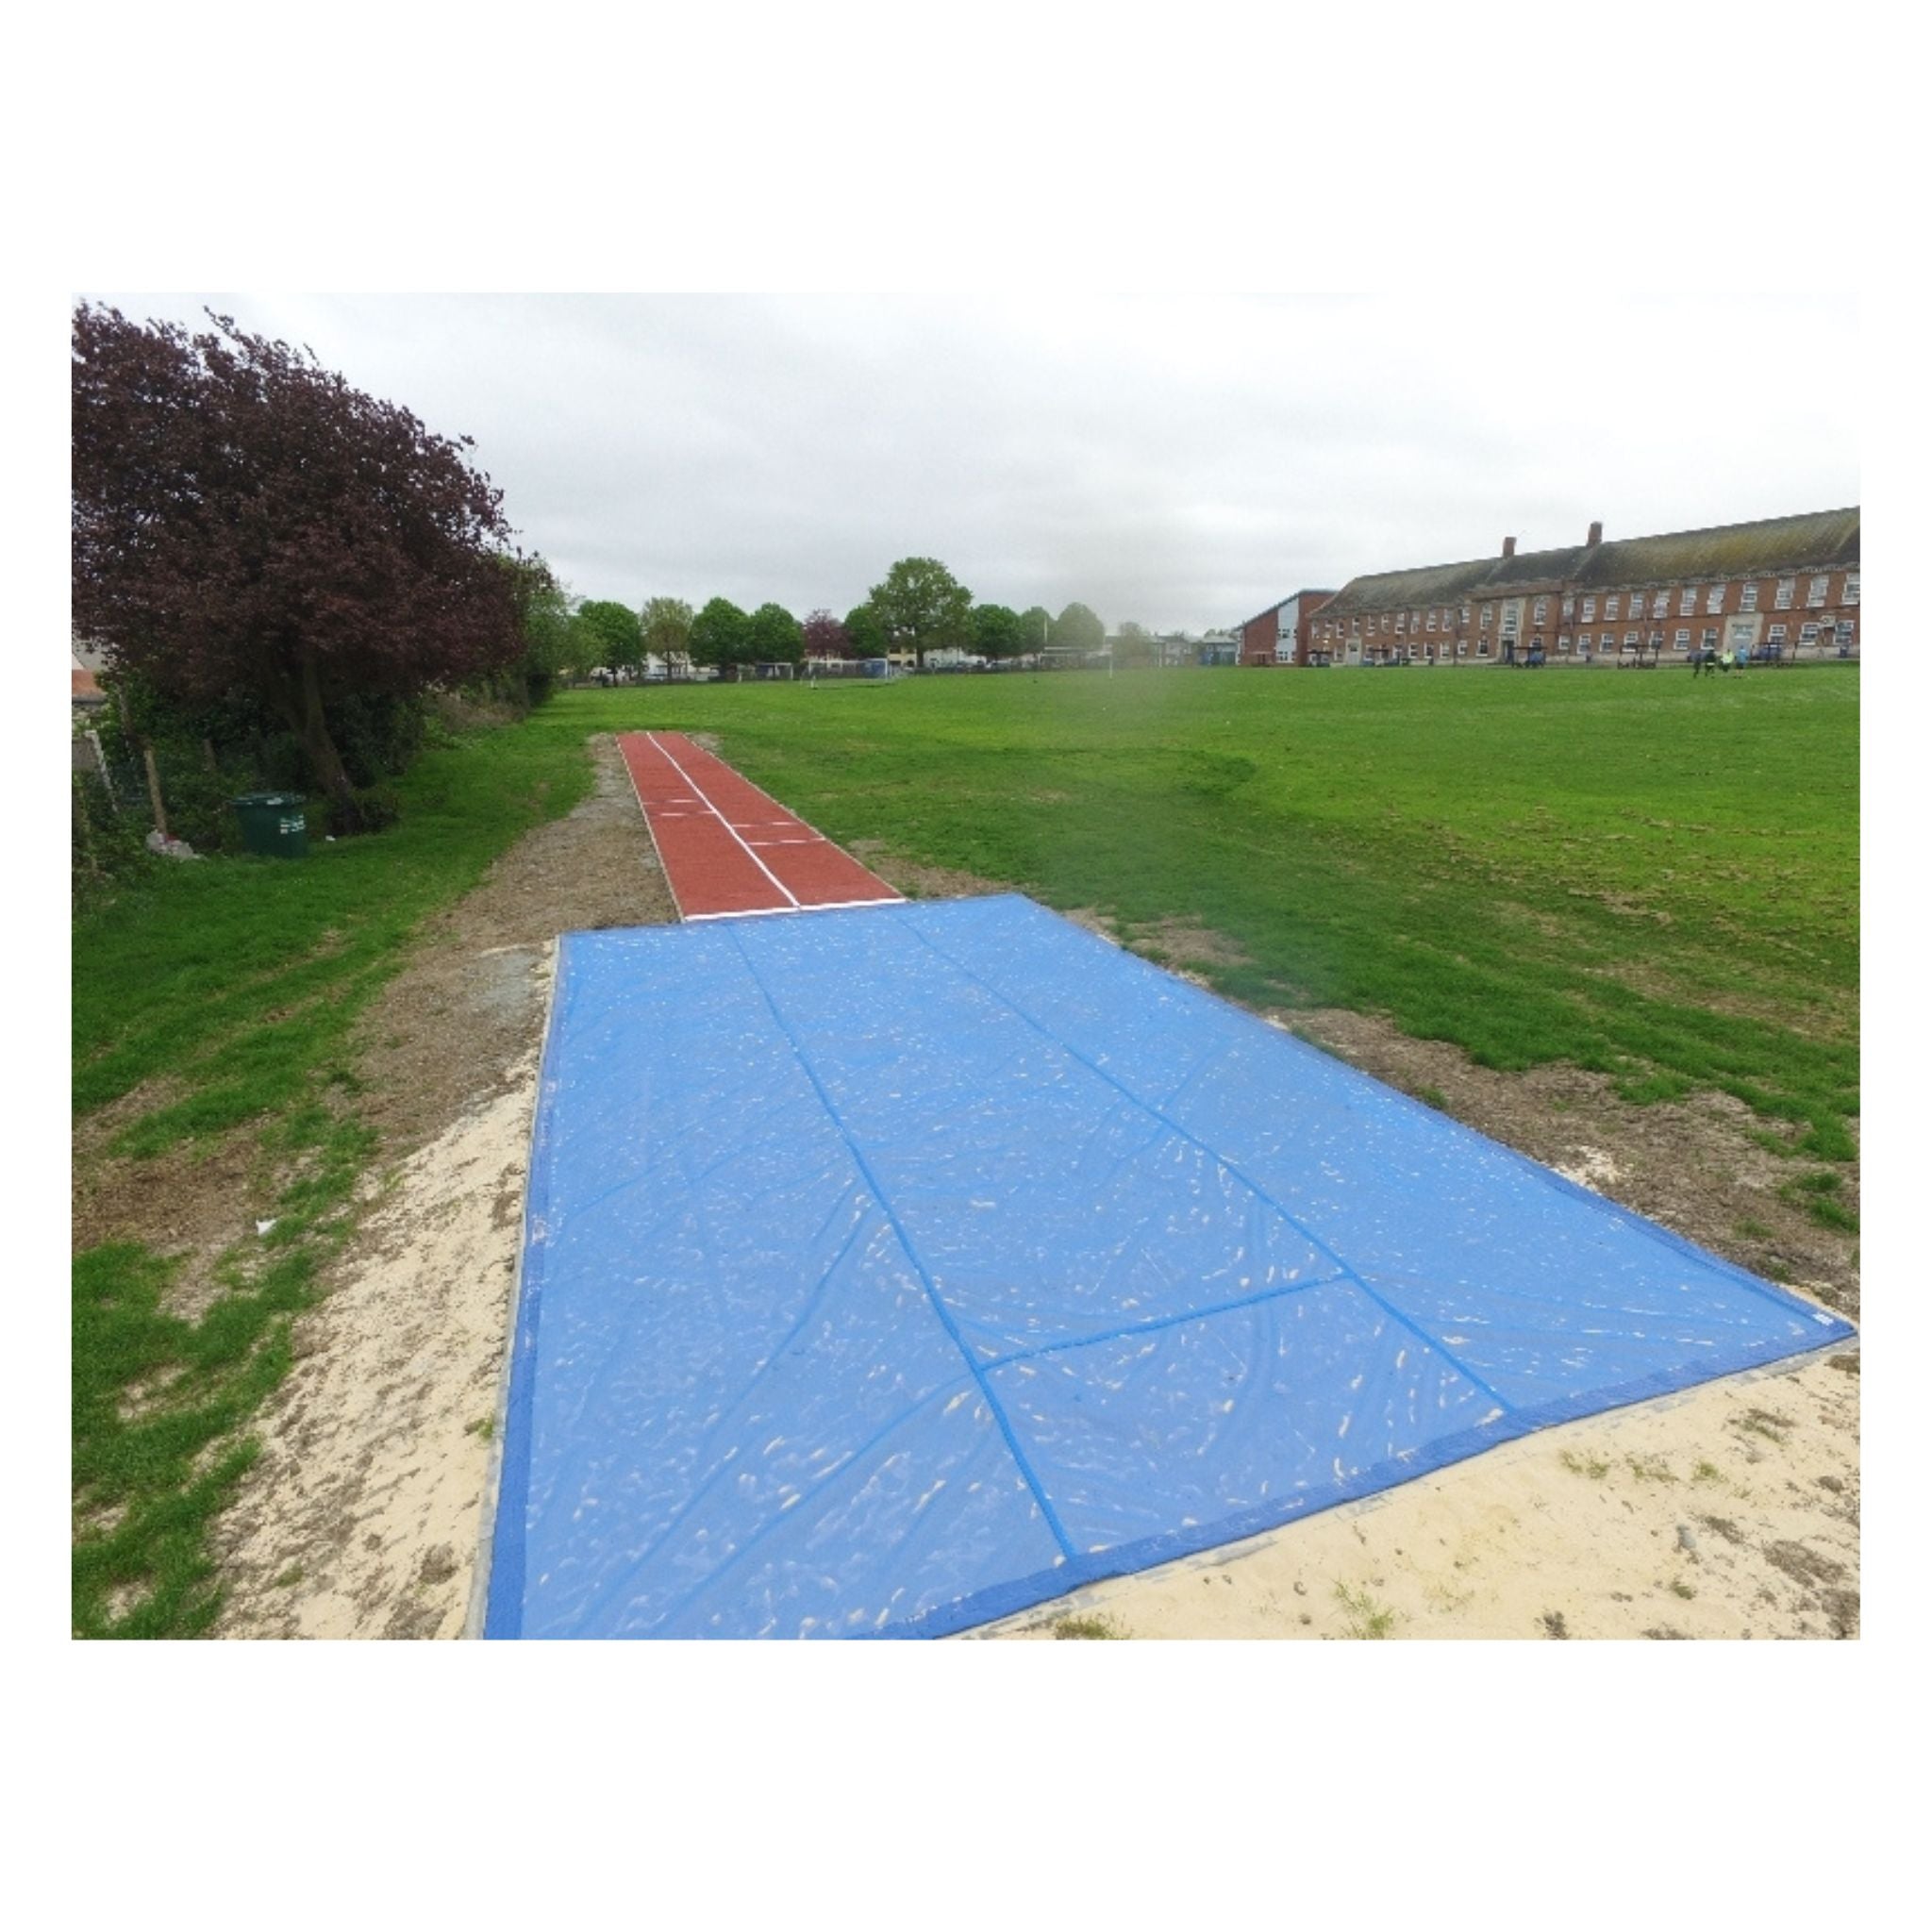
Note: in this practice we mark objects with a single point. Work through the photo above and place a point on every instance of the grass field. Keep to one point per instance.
(1645, 875)
(1651, 877)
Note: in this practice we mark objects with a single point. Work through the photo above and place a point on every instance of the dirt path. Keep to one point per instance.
(361, 1517)
(1729, 1511)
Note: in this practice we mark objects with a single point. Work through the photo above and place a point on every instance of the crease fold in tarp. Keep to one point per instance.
(891, 1270)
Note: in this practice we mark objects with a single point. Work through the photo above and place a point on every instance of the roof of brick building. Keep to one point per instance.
(1820, 540)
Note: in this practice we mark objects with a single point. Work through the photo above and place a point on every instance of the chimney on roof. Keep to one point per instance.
(1595, 537)
(1508, 546)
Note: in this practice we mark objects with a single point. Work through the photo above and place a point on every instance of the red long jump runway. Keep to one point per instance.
(728, 848)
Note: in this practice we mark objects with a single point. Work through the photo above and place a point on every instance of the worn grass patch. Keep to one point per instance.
(1093, 1629)
(1367, 1618)
(1817, 1192)
(231, 988)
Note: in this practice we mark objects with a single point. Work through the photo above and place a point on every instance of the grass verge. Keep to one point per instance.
(227, 992)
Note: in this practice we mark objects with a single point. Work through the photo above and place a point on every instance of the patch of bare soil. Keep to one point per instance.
(362, 1515)
(1188, 943)
(191, 1203)
(921, 882)
(444, 1033)
(1691, 1164)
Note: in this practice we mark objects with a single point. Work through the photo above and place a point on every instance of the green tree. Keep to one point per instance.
(543, 618)
(864, 632)
(922, 605)
(721, 635)
(1077, 629)
(997, 632)
(667, 627)
(609, 634)
(776, 636)
(1134, 644)
(1036, 627)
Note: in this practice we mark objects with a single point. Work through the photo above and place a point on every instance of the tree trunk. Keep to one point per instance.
(154, 790)
(301, 704)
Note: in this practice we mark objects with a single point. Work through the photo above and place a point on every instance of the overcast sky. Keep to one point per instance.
(1181, 462)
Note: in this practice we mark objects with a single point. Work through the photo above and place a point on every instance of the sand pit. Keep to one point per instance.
(1728, 1512)
(361, 1518)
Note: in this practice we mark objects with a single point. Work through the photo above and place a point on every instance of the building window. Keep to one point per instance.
(1489, 611)
(1629, 640)
(1589, 610)
(1660, 604)
(1851, 595)
(1747, 596)
(1655, 640)
(1807, 634)
(1563, 643)
(1708, 640)
(1776, 635)
(1787, 592)
(1463, 647)
(1402, 624)
(1432, 620)
(1847, 627)
(1482, 649)
(1681, 640)
(1687, 603)
(1355, 626)
(1609, 607)
(1536, 643)
(1385, 624)
(1569, 608)
(1714, 601)
(1541, 614)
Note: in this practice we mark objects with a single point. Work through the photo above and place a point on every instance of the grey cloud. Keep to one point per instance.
(1180, 461)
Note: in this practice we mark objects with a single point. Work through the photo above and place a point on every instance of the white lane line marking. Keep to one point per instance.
(786, 911)
(650, 830)
(705, 797)
(793, 816)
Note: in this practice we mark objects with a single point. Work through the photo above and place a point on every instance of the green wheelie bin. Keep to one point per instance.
(274, 824)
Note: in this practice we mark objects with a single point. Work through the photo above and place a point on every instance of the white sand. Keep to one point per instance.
(362, 1517)
(1711, 1513)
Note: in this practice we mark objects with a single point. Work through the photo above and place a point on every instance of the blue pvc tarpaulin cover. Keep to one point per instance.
(888, 1271)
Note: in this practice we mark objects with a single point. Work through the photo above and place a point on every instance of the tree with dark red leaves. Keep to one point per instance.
(245, 521)
(825, 636)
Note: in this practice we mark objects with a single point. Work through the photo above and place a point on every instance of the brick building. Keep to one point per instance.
(1280, 635)
(1783, 588)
